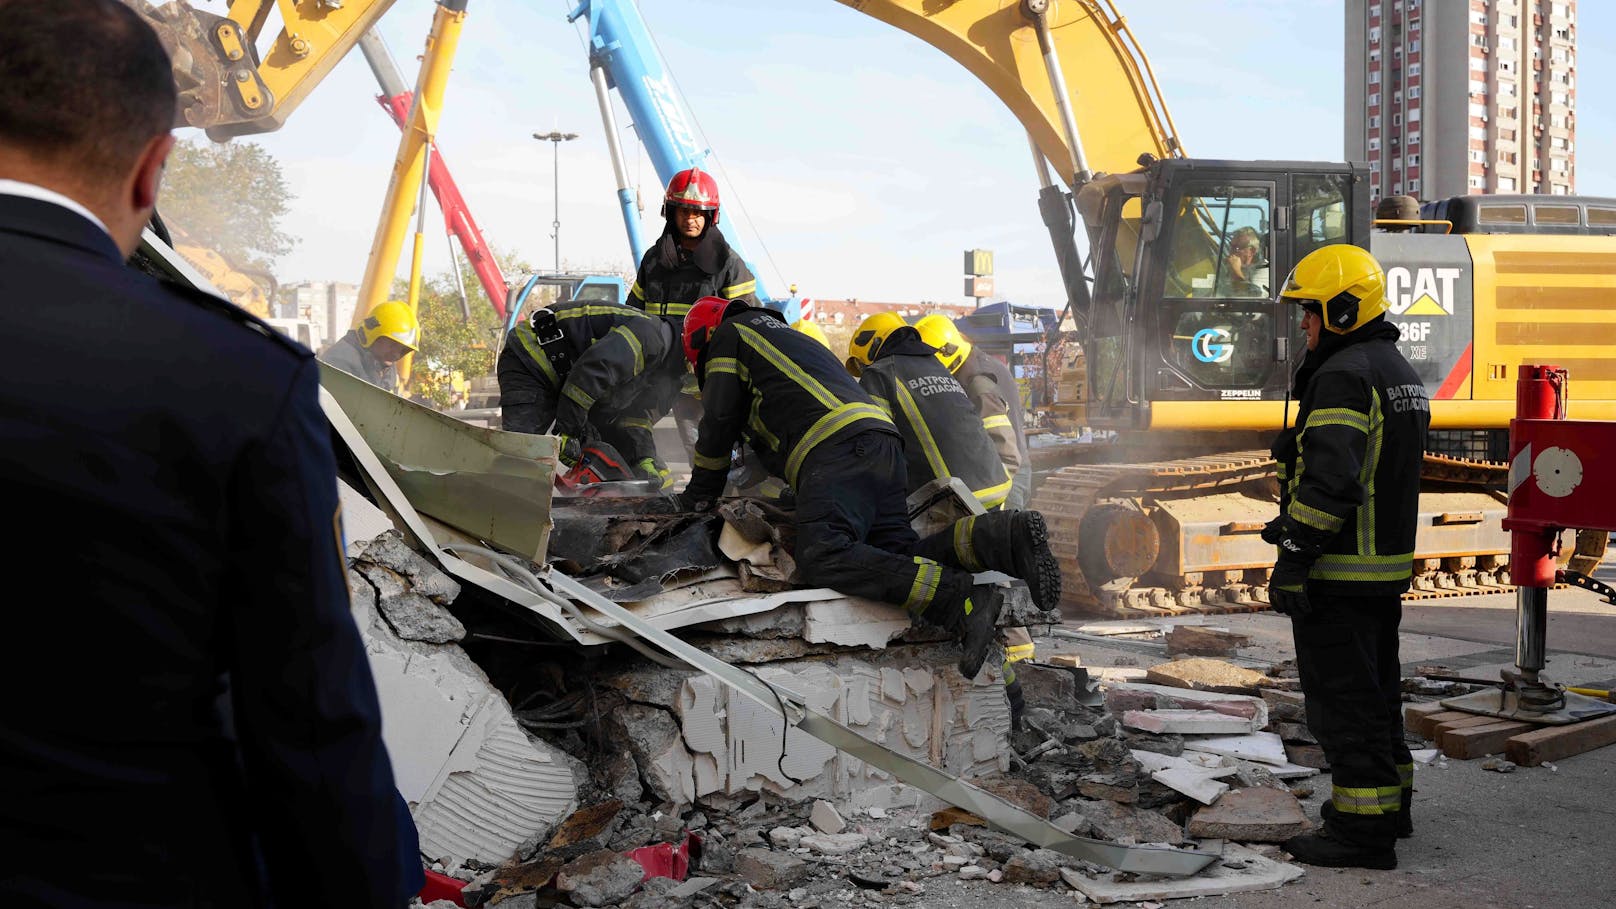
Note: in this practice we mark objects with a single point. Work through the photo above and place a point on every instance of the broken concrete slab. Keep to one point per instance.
(1289, 706)
(854, 622)
(1307, 756)
(909, 697)
(1202, 674)
(652, 736)
(1264, 747)
(1199, 640)
(1258, 815)
(413, 617)
(1197, 784)
(1120, 698)
(390, 551)
(1040, 867)
(826, 819)
(477, 784)
(1241, 870)
(1123, 824)
(835, 843)
(601, 878)
(766, 869)
(1187, 722)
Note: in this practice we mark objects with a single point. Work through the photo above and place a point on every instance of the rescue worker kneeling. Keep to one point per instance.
(592, 369)
(812, 424)
(945, 436)
(1349, 502)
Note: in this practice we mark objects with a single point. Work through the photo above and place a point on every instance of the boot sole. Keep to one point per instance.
(1035, 563)
(971, 663)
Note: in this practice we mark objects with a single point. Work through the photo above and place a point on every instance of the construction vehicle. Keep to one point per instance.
(1191, 369)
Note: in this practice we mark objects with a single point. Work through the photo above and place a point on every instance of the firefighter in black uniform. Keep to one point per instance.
(593, 369)
(943, 436)
(689, 261)
(197, 724)
(991, 386)
(812, 424)
(1350, 481)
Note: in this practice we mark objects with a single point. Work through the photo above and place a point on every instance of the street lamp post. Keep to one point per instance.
(555, 138)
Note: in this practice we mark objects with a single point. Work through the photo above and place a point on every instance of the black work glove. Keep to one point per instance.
(1274, 531)
(569, 449)
(692, 502)
(1287, 588)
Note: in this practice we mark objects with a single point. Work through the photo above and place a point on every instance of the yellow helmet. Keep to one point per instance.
(812, 330)
(393, 319)
(869, 337)
(1344, 283)
(939, 331)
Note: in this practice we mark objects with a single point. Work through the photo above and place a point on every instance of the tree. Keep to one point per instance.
(452, 344)
(230, 198)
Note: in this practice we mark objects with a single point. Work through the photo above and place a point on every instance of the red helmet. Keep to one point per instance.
(693, 188)
(700, 321)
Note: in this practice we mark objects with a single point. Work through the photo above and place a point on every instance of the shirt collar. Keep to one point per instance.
(34, 191)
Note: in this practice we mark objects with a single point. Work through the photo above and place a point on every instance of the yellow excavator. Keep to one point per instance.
(1189, 366)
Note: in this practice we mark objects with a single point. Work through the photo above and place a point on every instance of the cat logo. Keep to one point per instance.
(1426, 292)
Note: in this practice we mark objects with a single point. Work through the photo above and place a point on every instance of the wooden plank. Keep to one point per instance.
(1551, 743)
(1479, 741)
(1415, 712)
(1426, 724)
(1464, 722)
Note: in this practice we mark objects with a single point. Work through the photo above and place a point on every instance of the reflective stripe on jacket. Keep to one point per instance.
(781, 390)
(943, 434)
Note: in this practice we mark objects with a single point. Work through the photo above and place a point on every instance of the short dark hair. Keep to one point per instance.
(86, 82)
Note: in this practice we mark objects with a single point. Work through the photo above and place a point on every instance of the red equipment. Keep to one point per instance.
(703, 317)
(599, 463)
(1557, 481)
(692, 188)
(456, 214)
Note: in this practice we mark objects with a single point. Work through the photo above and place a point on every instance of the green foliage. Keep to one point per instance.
(228, 197)
(451, 343)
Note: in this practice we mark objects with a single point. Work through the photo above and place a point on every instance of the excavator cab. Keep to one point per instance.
(1187, 256)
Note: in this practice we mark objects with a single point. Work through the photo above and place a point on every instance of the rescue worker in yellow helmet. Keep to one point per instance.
(1349, 504)
(387, 335)
(943, 436)
(992, 388)
(812, 330)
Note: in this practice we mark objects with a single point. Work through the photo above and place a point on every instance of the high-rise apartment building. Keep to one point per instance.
(327, 304)
(1449, 97)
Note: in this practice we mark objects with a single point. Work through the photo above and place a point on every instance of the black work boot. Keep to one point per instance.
(1014, 695)
(979, 627)
(1014, 542)
(1405, 817)
(1329, 848)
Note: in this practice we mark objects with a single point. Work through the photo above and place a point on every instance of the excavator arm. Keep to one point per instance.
(1020, 48)
(227, 85)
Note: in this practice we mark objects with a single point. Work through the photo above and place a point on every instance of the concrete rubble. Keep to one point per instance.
(535, 779)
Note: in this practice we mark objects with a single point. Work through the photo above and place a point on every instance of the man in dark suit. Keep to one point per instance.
(190, 718)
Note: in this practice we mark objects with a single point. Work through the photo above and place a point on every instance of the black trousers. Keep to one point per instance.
(853, 532)
(1346, 649)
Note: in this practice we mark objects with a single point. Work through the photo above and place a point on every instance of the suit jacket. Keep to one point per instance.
(191, 720)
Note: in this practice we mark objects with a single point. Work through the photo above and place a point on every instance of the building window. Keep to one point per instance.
(1414, 185)
(1397, 189)
(1478, 182)
(1413, 70)
(1374, 34)
(1414, 46)
(1374, 122)
(1413, 92)
(1479, 111)
(1397, 119)
(1413, 116)
(1478, 132)
(1506, 184)
(1414, 160)
(1374, 99)
(1374, 145)
(1414, 138)
(1374, 77)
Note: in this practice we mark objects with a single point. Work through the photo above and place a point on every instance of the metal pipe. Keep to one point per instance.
(1038, 11)
(1531, 630)
(625, 190)
(382, 65)
(1041, 163)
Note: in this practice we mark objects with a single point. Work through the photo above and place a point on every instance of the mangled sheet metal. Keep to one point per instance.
(493, 485)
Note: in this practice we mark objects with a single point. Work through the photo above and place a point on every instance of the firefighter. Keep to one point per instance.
(1350, 481)
(812, 424)
(689, 261)
(993, 389)
(388, 334)
(942, 433)
(592, 369)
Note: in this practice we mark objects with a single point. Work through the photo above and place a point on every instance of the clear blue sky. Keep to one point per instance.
(864, 159)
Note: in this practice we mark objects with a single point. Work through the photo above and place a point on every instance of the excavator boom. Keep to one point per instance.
(1118, 112)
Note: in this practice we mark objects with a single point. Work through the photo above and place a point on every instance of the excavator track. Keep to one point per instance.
(1076, 500)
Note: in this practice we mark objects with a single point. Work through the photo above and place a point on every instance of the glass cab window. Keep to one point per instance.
(1217, 297)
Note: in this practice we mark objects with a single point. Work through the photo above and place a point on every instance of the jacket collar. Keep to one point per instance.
(55, 223)
(709, 255)
(1331, 344)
